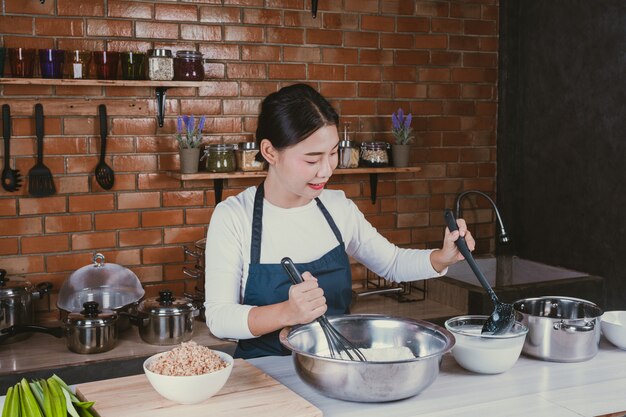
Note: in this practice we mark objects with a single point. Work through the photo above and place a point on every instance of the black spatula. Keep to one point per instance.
(104, 173)
(40, 183)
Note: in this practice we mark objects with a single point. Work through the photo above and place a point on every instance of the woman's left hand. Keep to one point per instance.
(449, 253)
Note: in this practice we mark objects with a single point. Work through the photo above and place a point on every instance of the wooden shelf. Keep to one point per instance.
(219, 177)
(159, 86)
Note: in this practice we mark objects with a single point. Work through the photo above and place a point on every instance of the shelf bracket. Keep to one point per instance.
(160, 96)
(373, 186)
(218, 186)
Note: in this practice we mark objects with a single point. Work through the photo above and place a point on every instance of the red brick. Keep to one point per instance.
(140, 163)
(376, 90)
(23, 264)
(447, 25)
(410, 90)
(184, 234)
(377, 23)
(360, 39)
(362, 6)
(177, 12)
(397, 73)
(97, 240)
(36, 8)
(8, 246)
(340, 56)
(339, 90)
(59, 27)
(17, 25)
(130, 9)
(43, 244)
(246, 71)
(70, 223)
(249, 106)
(140, 237)
(82, 8)
(465, 10)
(285, 36)
(201, 32)
(155, 30)
(432, 8)
(444, 123)
(287, 71)
(261, 53)
(413, 24)
(480, 27)
(219, 52)
(431, 42)
(198, 215)
(138, 200)
(161, 218)
(397, 7)
(112, 28)
(378, 56)
(323, 37)
(243, 34)
(163, 255)
(326, 72)
(464, 43)
(54, 204)
(444, 91)
(114, 221)
(411, 57)
(340, 21)
(298, 54)
(260, 16)
(363, 73)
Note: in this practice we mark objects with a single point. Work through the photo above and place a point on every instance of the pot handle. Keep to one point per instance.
(42, 288)
(572, 328)
(57, 332)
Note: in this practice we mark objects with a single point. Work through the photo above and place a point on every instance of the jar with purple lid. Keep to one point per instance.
(188, 66)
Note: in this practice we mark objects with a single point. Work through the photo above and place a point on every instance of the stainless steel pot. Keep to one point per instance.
(369, 381)
(560, 329)
(16, 303)
(90, 331)
(112, 286)
(165, 320)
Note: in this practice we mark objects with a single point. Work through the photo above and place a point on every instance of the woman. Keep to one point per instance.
(249, 296)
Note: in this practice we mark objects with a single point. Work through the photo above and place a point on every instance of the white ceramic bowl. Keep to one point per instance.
(485, 354)
(189, 389)
(613, 324)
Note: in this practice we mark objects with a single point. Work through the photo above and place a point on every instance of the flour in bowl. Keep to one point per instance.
(379, 354)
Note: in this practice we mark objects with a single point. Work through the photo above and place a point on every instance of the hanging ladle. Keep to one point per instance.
(503, 316)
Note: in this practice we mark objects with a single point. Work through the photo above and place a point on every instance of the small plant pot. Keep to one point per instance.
(189, 160)
(400, 155)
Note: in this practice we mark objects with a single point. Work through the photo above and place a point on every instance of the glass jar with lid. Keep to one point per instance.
(160, 65)
(246, 153)
(188, 66)
(220, 157)
(348, 150)
(374, 154)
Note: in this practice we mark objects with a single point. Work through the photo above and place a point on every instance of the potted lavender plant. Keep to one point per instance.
(402, 132)
(189, 137)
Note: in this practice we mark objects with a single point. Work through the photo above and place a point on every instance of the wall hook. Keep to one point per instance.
(42, 1)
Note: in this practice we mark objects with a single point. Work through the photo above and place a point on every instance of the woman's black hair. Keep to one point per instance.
(291, 115)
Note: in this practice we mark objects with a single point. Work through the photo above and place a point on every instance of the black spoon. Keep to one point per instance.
(104, 173)
(503, 316)
(11, 180)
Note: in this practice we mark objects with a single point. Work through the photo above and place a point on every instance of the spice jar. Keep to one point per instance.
(80, 63)
(374, 154)
(219, 158)
(188, 66)
(160, 65)
(246, 153)
(348, 154)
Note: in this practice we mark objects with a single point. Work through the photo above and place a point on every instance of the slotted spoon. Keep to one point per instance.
(503, 316)
(11, 180)
(104, 173)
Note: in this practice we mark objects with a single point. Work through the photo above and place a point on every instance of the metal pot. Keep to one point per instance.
(90, 331)
(16, 303)
(560, 329)
(197, 273)
(165, 320)
(112, 286)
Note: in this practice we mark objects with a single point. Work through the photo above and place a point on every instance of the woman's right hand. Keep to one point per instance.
(306, 301)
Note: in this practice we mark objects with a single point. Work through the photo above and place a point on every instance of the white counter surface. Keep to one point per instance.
(531, 388)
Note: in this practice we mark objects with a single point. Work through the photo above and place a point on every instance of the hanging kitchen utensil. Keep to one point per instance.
(11, 180)
(503, 316)
(40, 183)
(104, 173)
(314, 8)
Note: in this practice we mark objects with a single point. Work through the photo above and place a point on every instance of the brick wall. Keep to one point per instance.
(436, 59)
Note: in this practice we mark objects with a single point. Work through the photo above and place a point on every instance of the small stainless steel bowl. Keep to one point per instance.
(369, 381)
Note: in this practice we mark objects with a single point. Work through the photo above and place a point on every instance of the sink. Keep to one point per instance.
(502, 271)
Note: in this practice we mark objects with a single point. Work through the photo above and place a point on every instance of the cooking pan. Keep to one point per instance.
(89, 331)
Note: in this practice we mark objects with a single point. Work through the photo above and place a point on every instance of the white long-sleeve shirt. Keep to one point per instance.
(303, 234)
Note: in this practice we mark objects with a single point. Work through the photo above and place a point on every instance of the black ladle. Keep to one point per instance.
(104, 174)
(503, 316)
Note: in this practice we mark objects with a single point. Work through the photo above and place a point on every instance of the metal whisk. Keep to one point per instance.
(337, 343)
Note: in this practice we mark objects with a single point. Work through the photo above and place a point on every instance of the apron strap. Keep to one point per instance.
(257, 224)
(329, 219)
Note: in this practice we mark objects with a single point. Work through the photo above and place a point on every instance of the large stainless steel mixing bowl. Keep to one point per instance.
(369, 381)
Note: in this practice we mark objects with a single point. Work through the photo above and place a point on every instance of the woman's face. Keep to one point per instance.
(302, 170)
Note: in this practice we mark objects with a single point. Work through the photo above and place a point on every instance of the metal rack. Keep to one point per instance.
(403, 292)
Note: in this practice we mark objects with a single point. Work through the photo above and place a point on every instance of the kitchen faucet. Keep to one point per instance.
(504, 238)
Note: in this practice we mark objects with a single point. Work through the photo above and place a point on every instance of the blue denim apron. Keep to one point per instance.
(269, 283)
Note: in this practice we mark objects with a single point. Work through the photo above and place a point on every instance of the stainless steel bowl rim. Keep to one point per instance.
(286, 332)
(508, 335)
(556, 298)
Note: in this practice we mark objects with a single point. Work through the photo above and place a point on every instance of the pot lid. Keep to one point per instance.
(91, 316)
(111, 285)
(11, 287)
(166, 305)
